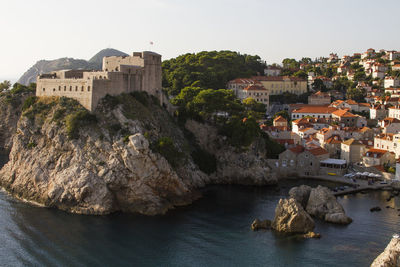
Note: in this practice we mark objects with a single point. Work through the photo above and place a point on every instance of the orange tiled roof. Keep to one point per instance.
(343, 113)
(280, 119)
(254, 87)
(318, 151)
(334, 139)
(315, 109)
(375, 153)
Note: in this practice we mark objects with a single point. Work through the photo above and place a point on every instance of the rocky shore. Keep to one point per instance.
(390, 257)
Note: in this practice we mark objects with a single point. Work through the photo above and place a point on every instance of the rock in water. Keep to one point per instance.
(375, 209)
(290, 217)
(301, 194)
(312, 235)
(323, 204)
(260, 224)
(390, 256)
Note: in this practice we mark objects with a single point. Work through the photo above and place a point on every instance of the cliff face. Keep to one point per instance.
(107, 166)
(248, 167)
(129, 156)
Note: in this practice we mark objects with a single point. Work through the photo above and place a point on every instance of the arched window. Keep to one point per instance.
(70, 88)
(82, 88)
(65, 88)
(54, 89)
(88, 88)
(44, 89)
(59, 88)
(76, 88)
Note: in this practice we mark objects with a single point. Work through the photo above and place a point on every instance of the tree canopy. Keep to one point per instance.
(211, 69)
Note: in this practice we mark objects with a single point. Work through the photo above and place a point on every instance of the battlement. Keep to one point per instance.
(139, 72)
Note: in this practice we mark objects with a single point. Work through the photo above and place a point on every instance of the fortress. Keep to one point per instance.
(139, 72)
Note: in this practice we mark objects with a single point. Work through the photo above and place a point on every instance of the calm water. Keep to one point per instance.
(214, 231)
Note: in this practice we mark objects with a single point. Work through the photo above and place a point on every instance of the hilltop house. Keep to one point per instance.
(378, 157)
(319, 98)
(352, 150)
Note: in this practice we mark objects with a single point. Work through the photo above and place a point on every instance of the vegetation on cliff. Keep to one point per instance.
(208, 69)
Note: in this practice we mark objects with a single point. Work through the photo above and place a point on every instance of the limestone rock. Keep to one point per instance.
(323, 204)
(312, 235)
(301, 194)
(247, 167)
(290, 217)
(390, 257)
(260, 224)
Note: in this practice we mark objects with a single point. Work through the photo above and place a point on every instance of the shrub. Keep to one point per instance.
(204, 160)
(167, 149)
(76, 120)
(126, 138)
(29, 102)
(141, 97)
(31, 145)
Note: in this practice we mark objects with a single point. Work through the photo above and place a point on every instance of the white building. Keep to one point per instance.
(394, 112)
(391, 82)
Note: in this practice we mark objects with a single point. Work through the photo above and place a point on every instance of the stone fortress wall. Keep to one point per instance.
(139, 72)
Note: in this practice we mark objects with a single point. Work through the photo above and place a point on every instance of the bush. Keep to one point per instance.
(76, 120)
(29, 102)
(167, 149)
(206, 162)
(142, 97)
(31, 145)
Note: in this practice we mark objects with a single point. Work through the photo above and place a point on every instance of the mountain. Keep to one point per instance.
(46, 66)
(108, 52)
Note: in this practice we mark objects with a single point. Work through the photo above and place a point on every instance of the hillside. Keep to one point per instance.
(46, 66)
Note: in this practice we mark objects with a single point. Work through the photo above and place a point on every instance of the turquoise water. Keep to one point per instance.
(214, 231)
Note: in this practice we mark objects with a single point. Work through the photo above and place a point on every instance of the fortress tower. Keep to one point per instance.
(139, 72)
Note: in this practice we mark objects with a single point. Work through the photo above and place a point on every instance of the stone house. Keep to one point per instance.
(377, 112)
(257, 92)
(352, 150)
(390, 125)
(319, 98)
(280, 121)
(333, 146)
(378, 157)
(298, 161)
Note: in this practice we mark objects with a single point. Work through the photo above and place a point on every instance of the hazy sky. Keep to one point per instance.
(44, 29)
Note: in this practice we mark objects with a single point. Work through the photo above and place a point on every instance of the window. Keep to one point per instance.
(59, 88)
(44, 89)
(82, 88)
(88, 88)
(65, 88)
(54, 89)
(76, 88)
(70, 88)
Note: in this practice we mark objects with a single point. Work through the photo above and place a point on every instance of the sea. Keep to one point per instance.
(213, 231)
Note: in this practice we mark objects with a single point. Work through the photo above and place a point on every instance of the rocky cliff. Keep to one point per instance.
(233, 166)
(129, 155)
(390, 257)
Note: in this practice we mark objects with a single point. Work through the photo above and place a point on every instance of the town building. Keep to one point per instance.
(319, 98)
(377, 112)
(272, 71)
(282, 84)
(378, 157)
(139, 72)
(313, 111)
(352, 151)
(391, 82)
(390, 125)
(257, 92)
(394, 112)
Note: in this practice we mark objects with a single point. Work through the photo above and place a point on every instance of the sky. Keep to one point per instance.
(274, 30)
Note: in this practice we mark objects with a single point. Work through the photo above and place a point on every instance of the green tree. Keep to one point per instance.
(301, 74)
(5, 85)
(318, 84)
(355, 94)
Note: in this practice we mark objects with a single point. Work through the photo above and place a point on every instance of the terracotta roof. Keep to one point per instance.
(242, 81)
(255, 87)
(364, 104)
(276, 78)
(280, 119)
(306, 129)
(385, 136)
(351, 102)
(297, 149)
(334, 139)
(343, 113)
(352, 142)
(391, 120)
(318, 151)
(315, 109)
